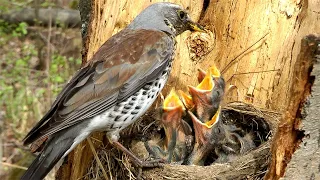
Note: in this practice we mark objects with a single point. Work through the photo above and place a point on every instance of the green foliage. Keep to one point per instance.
(20, 30)
(6, 5)
(26, 93)
(74, 4)
(12, 30)
(58, 73)
(47, 3)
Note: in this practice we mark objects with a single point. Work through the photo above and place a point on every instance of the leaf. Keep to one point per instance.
(21, 62)
(58, 79)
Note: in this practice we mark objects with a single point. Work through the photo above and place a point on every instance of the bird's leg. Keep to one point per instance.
(155, 150)
(136, 160)
(172, 145)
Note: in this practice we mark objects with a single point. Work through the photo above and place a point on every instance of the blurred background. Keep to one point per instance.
(40, 49)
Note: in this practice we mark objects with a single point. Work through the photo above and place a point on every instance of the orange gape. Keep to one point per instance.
(214, 119)
(173, 110)
(186, 99)
(172, 101)
(207, 83)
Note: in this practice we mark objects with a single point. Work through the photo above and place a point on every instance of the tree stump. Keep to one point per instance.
(256, 45)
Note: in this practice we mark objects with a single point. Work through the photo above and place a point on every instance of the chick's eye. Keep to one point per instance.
(181, 14)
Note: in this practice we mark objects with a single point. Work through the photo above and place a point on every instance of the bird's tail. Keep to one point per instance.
(45, 161)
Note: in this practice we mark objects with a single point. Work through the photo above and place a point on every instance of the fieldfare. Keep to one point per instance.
(211, 134)
(118, 85)
(208, 136)
(208, 94)
(177, 131)
(205, 102)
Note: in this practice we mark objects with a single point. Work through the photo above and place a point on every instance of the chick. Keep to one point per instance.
(178, 133)
(208, 137)
(208, 94)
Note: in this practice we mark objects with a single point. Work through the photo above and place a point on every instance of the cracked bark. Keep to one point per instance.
(263, 75)
(305, 162)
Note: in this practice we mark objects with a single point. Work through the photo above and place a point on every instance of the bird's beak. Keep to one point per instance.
(186, 99)
(172, 101)
(203, 130)
(214, 71)
(173, 110)
(176, 129)
(201, 93)
(195, 26)
(206, 139)
(208, 94)
(207, 83)
(201, 75)
(201, 97)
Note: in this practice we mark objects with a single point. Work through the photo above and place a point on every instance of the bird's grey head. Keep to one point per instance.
(167, 17)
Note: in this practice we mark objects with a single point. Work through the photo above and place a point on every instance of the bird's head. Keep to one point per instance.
(168, 17)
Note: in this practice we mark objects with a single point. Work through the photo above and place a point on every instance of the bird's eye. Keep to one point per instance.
(181, 14)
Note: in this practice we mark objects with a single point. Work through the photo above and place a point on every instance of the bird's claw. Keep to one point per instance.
(151, 163)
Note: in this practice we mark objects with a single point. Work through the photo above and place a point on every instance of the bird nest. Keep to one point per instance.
(251, 164)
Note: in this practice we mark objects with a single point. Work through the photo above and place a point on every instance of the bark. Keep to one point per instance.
(305, 162)
(263, 74)
(85, 9)
(288, 135)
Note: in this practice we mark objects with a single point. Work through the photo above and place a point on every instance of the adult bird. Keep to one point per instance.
(120, 83)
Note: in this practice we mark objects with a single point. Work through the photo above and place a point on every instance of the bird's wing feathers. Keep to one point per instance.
(124, 64)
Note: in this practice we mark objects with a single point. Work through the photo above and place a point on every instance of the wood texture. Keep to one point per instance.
(239, 25)
(305, 162)
(261, 75)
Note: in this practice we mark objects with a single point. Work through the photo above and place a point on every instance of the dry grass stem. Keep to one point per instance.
(97, 158)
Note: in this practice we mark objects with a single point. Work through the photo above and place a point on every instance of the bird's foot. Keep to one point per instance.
(150, 163)
(155, 151)
(147, 164)
(137, 162)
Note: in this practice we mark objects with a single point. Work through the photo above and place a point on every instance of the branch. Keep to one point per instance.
(60, 17)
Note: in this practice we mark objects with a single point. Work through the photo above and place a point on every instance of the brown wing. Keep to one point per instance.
(123, 64)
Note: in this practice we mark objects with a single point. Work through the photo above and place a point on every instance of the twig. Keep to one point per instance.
(48, 58)
(253, 72)
(109, 167)
(13, 166)
(48, 45)
(235, 58)
(97, 158)
(125, 163)
(46, 40)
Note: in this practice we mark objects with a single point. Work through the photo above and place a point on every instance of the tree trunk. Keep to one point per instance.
(255, 44)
